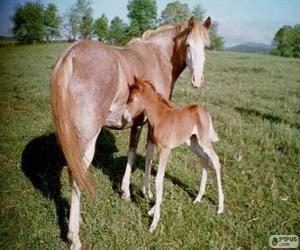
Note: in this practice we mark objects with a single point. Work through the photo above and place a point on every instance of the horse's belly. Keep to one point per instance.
(115, 121)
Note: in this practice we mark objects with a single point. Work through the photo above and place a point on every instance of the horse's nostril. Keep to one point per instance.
(193, 78)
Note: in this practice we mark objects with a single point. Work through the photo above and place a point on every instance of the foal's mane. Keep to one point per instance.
(160, 97)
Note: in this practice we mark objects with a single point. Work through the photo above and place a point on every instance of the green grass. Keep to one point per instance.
(255, 103)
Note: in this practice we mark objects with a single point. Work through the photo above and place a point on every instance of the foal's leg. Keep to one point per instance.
(149, 157)
(197, 149)
(133, 143)
(163, 158)
(73, 234)
(217, 166)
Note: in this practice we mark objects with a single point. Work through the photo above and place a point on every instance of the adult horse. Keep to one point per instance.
(89, 90)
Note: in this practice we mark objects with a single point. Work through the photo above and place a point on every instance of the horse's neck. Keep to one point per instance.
(172, 43)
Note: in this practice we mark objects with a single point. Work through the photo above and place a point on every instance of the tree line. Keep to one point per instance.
(34, 22)
(287, 41)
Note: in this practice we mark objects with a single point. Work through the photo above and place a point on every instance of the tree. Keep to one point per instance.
(28, 22)
(80, 20)
(117, 34)
(51, 22)
(175, 12)
(86, 26)
(287, 41)
(72, 23)
(198, 12)
(216, 41)
(142, 16)
(101, 28)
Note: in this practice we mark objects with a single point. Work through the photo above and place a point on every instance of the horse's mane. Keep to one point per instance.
(148, 34)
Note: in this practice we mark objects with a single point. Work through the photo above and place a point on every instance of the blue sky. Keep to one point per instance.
(239, 21)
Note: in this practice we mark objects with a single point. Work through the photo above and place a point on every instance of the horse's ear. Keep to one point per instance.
(192, 22)
(207, 23)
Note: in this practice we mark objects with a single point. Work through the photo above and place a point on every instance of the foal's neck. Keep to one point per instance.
(155, 105)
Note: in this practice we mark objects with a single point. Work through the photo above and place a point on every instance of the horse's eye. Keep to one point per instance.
(187, 45)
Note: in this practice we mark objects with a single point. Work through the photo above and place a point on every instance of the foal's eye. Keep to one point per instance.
(187, 45)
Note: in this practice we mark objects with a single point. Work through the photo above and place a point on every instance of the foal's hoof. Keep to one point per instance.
(151, 211)
(147, 193)
(196, 201)
(152, 228)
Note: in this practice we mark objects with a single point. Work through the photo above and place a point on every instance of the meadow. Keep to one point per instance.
(255, 104)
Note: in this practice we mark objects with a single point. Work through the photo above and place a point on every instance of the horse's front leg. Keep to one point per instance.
(135, 133)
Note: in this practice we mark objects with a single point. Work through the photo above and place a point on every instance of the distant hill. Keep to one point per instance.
(251, 48)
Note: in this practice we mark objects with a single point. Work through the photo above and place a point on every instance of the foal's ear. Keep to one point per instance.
(207, 23)
(135, 84)
(192, 22)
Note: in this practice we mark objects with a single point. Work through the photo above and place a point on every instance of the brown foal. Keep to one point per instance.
(169, 127)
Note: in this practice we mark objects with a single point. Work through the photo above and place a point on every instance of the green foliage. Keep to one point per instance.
(216, 41)
(101, 28)
(175, 12)
(117, 32)
(254, 101)
(80, 20)
(142, 16)
(198, 12)
(29, 22)
(287, 41)
(51, 22)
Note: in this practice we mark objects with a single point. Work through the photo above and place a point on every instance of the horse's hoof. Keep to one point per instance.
(220, 211)
(126, 197)
(75, 242)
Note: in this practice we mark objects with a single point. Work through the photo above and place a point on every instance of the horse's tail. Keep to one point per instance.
(64, 121)
(212, 133)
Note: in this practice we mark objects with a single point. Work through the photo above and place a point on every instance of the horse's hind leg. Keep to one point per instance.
(135, 133)
(73, 234)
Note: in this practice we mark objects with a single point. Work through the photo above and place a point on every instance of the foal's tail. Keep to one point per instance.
(64, 121)
(212, 133)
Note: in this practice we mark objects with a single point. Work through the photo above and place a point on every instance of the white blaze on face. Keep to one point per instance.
(196, 42)
(195, 59)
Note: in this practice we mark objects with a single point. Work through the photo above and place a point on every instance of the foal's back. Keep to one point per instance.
(177, 124)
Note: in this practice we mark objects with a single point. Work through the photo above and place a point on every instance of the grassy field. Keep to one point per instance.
(255, 103)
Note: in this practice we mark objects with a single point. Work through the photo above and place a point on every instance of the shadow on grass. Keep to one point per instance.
(43, 161)
(265, 116)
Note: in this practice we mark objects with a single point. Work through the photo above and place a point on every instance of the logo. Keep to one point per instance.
(284, 241)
